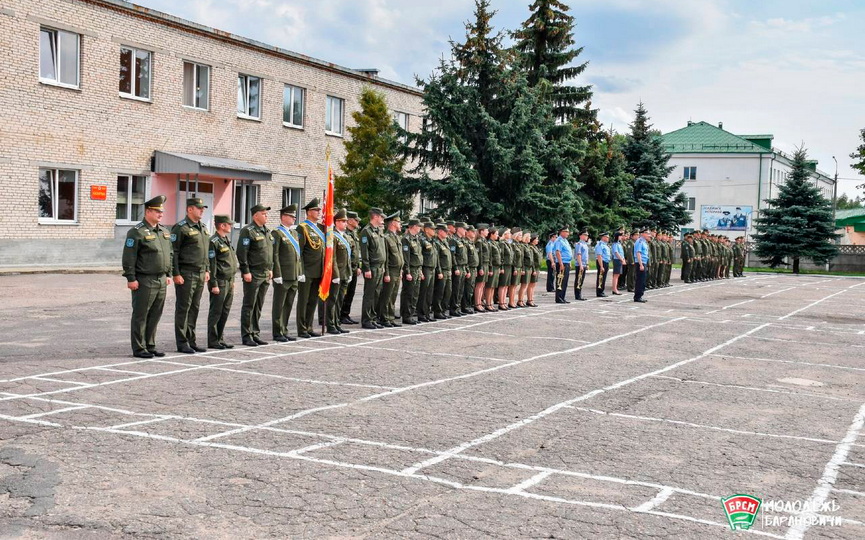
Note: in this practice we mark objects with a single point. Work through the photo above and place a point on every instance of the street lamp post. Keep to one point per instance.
(835, 193)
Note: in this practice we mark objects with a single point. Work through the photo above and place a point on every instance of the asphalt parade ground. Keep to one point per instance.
(598, 419)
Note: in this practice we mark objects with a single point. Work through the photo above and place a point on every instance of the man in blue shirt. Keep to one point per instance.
(564, 255)
(602, 259)
(581, 254)
(551, 262)
(641, 260)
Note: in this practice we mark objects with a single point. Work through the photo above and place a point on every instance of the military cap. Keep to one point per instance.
(584, 232)
(341, 214)
(635, 231)
(534, 236)
(564, 228)
(393, 217)
(313, 205)
(258, 208)
(290, 210)
(156, 203)
(222, 219)
(441, 227)
(645, 230)
(429, 225)
(603, 234)
(195, 201)
(440, 221)
(459, 225)
(376, 211)
(412, 222)
(515, 230)
(503, 230)
(482, 226)
(450, 223)
(470, 227)
(352, 215)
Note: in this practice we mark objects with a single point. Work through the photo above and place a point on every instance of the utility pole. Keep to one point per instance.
(835, 192)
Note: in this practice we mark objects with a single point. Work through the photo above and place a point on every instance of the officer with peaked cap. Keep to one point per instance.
(190, 239)
(390, 289)
(255, 257)
(412, 272)
(223, 269)
(431, 272)
(147, 267)
(342, 274)
(351, 234)
(373, 264)
(287, 268)
(312, 240)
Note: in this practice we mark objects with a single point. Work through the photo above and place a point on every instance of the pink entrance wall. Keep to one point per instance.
(166, 184)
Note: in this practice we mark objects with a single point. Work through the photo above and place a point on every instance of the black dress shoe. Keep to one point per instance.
(351, 321)
(410, 322)
(226, 345)
(456, 314)
(304, 335)
(259, 340)
(602, 295)
(143, 354)
(313, 333)
(249, 342)
(581, 299)
(342, 330)
(186, 349)
(617, 293)
(385, 324)
(196, 348)
(280, 339)
(215, 346)
(157, 354)
(440, 317)
(469, 311)
(333, 331)
(395, 324)
(640, 301)
(378, 325)
(369, 326)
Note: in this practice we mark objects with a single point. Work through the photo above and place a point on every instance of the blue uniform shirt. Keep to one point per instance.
(551, 246)
(564, 246)
(603, 249)
(618, 250)
(642, 247)
(584, 252)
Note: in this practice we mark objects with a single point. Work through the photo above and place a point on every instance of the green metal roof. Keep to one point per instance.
(704, 138)
(844, 218)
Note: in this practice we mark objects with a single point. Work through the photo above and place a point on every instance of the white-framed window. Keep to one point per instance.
(135, 73)
(58, 196)
(248, 97)
(292, 106)
(691, 204)
(245, 197)
(401, 120)
(427, 128)
(196, 85)
(292, 195)
(690, 173)
(131, 195)
(333, 112)
(59, 57)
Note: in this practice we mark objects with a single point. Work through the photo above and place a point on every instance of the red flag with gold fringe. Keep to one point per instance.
(327, 272)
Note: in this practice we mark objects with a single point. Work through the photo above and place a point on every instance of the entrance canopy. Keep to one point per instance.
(174, 163)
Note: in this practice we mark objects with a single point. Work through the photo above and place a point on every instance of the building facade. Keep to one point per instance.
(729, 177)
(106, 104)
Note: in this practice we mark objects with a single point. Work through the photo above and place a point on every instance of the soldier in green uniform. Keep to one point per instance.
(699, 257)
(147, 267)
(443, 286)
(311, 238)
(342, 275)
(460, 259)
(287, 268)
(373, 263)
(516, 266)
(390, 290)
(537, 258)
(351, 234)
(412, 274)
(431, 272)
(687, 257)
(506, 273)
(482, 249)
(492, 279)
(629, 256)
(223, 269)
(473, 261)
(739, 257)
(255, 257)
(189, 238)
(652, 267)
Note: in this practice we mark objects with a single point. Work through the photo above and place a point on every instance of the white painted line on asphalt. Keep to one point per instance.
(827, 480)
(833, 366)
(526, 484)
(319, 446)
(299, 380)
(818, 343)
(812, 304)
(40, 415)
(120, 371)
(849, 492)
(656, 501)
(853, 464)
(140, 423)
(779, 291)
(425, 353)
(731, 305)
(756, 389)
(702, 426)
(50, 379)
(28, 420)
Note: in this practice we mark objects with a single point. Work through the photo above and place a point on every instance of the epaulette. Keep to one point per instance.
(214, 239)
(139, 225)
(182, 222)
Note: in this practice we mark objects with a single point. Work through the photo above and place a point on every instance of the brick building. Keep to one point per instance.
(105, 104)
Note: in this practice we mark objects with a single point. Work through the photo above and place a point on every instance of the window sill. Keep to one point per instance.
(135, 98)
(332, 134)
(49, 82)
(198, 109)
(292, 126)
(43, 221)
(125, 223)
(247, 117)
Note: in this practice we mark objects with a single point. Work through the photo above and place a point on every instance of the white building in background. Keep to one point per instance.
(729, 177)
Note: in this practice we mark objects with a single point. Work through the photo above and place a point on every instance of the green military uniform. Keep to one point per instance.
(255, 257)
(443, 287)
(342, 253)
(431, 271)
(668, 269)
(738, 259)
(190, 242)
(517, 252)
(460, 261)
(354, 242)
(492, 278)
(507, 253)
(632, 265)
(373, 259)
(687, 258)
(699, 254)
(223, 270)
(473, 262)
(147, 260)
(287, 266)
(311, 239)
(412, 266)
(653, 264)
(390, 289)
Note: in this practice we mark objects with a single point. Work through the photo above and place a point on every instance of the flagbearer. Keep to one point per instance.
(312, 240)
(342, 275)
(287, 267)
(255, 257)
(223, 269)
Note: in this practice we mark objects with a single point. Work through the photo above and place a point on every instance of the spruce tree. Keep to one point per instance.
(859, 155)
(486, 134)
(647, 161)
(798, 223)
(373, 161)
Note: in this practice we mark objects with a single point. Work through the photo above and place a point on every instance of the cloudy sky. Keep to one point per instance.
(793, 69)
